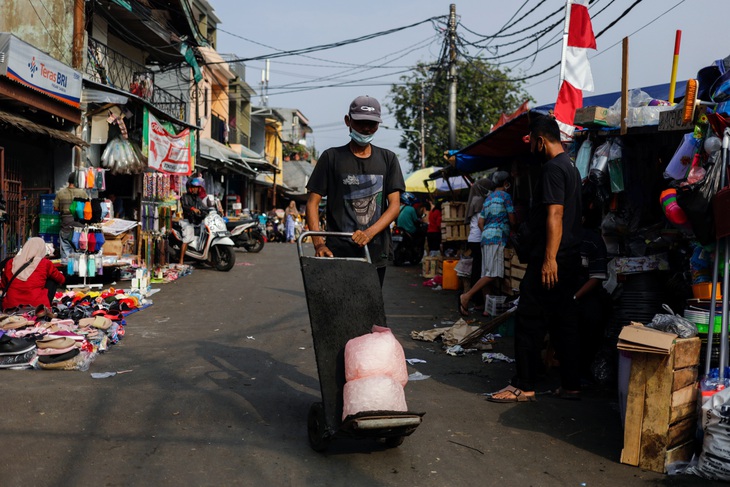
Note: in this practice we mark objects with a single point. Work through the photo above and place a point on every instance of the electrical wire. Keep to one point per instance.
(323, 47)
(60, 49)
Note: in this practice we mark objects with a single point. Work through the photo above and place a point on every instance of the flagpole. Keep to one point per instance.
(566, 29)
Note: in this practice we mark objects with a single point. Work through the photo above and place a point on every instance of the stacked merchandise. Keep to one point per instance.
(68, 336)
(158, 206)
(375, 369)
(49, 220)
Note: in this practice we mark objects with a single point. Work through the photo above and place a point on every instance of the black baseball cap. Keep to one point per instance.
(365, 108)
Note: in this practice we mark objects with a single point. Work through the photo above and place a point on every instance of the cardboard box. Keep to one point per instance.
(119, 245)
(639, 338)
(588, 116)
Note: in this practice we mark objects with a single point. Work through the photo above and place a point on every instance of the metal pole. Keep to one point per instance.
(726, 280)
(423, 134)
(452, 77)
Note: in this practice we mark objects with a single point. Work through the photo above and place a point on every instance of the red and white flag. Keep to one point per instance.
(575, 71)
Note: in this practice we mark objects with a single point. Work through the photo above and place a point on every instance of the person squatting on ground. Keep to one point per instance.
(62, 204)
(547, 292)
(495, 219)
(192, 207)
(36, 278)
(475, 202)
(362, 183)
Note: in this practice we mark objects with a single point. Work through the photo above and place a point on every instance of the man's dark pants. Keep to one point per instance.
(555, 311)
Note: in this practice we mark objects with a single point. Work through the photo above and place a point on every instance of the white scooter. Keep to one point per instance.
(212, 245)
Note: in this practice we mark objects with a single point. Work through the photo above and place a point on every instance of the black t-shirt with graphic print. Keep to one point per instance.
(357, 195)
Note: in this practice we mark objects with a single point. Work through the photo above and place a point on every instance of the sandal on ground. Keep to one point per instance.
(565, 394)
(511, 394)
(463, 311)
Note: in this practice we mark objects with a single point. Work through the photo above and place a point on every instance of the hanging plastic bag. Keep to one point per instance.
(695, 199)
(600, 158)
(682, 159)
(583, 160)
(615, 167)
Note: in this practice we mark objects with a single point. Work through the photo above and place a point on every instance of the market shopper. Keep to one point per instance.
(192, 208)
(495, 219)
(29, 278)
(62, 204)
(547, 292)
(362, 184)
(433, 231)
(290, 220)
(475, 202)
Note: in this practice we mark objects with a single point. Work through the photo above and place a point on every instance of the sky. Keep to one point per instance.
(322, 84)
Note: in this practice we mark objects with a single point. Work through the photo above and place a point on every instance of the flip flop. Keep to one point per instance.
(462, 310)
(513, 395)
(568, 395)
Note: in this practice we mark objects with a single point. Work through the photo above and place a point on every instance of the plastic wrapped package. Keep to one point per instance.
(377, 353)
(374, 393)
(583, 159)
(673, 323)
(714, 461)
(615, 167)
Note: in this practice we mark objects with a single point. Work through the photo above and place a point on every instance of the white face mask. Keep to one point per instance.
(359, 138)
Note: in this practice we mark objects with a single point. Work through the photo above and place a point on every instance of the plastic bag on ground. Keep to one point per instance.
(377, 353)
(375, 393)
(714, 461)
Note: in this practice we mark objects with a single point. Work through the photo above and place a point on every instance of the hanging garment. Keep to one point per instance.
(87, 211)
(99, 181)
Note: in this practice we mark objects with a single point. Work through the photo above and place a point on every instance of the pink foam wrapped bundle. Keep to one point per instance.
(374, 393)
(377, 353)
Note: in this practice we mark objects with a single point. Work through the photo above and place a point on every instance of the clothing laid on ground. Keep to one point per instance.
(357, 192)
(31, 291)
(540, 309)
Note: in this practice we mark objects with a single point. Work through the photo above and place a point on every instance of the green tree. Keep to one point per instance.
(483, 93)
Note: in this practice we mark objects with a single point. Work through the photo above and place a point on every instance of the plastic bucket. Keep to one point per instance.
(450, 279)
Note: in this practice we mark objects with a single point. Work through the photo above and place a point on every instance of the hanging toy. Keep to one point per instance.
(674, 213)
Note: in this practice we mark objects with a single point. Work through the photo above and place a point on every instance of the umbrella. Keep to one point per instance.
(456, 182)
(416, 182)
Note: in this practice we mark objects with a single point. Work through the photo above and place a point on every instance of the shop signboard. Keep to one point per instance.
(670, 120)
(166, 152)
(35, 69)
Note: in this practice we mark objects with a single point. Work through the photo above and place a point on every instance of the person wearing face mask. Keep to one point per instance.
(362, 184)
(547, 292)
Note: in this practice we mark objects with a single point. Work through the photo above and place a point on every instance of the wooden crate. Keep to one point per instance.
(454, 230)
(661, 409)
(432, 266)
(453, 210)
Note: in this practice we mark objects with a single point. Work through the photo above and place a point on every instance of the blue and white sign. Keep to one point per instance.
(27, 65)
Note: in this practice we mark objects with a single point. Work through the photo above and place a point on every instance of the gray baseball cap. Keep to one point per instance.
(365, 108)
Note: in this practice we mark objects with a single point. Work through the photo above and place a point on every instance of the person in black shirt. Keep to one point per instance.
(362, 184)
(553, 271)
(192, 208)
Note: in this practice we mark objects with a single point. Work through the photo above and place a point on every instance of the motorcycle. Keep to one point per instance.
(247, 234)
(213, 244)
(406, 247)
(275, 230)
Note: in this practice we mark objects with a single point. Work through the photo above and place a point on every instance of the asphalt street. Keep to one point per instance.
(221, 377)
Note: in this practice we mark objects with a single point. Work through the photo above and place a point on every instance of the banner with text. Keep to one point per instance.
(166, 152)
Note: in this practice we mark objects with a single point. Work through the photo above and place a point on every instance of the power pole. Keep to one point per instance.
(423, 127)
(452, 77)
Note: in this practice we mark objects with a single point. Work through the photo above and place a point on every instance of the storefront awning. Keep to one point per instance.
(214, 151)
(24, 125)
(257, 161)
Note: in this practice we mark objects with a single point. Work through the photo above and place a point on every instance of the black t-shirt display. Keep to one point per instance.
(357, 195)
(559, 184)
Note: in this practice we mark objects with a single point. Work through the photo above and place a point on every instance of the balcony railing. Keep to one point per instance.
(109, 67)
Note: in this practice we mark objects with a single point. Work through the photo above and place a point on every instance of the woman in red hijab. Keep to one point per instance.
(29, 285)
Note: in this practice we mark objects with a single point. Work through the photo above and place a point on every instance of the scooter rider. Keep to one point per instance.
(408, 218)
(192, 207)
